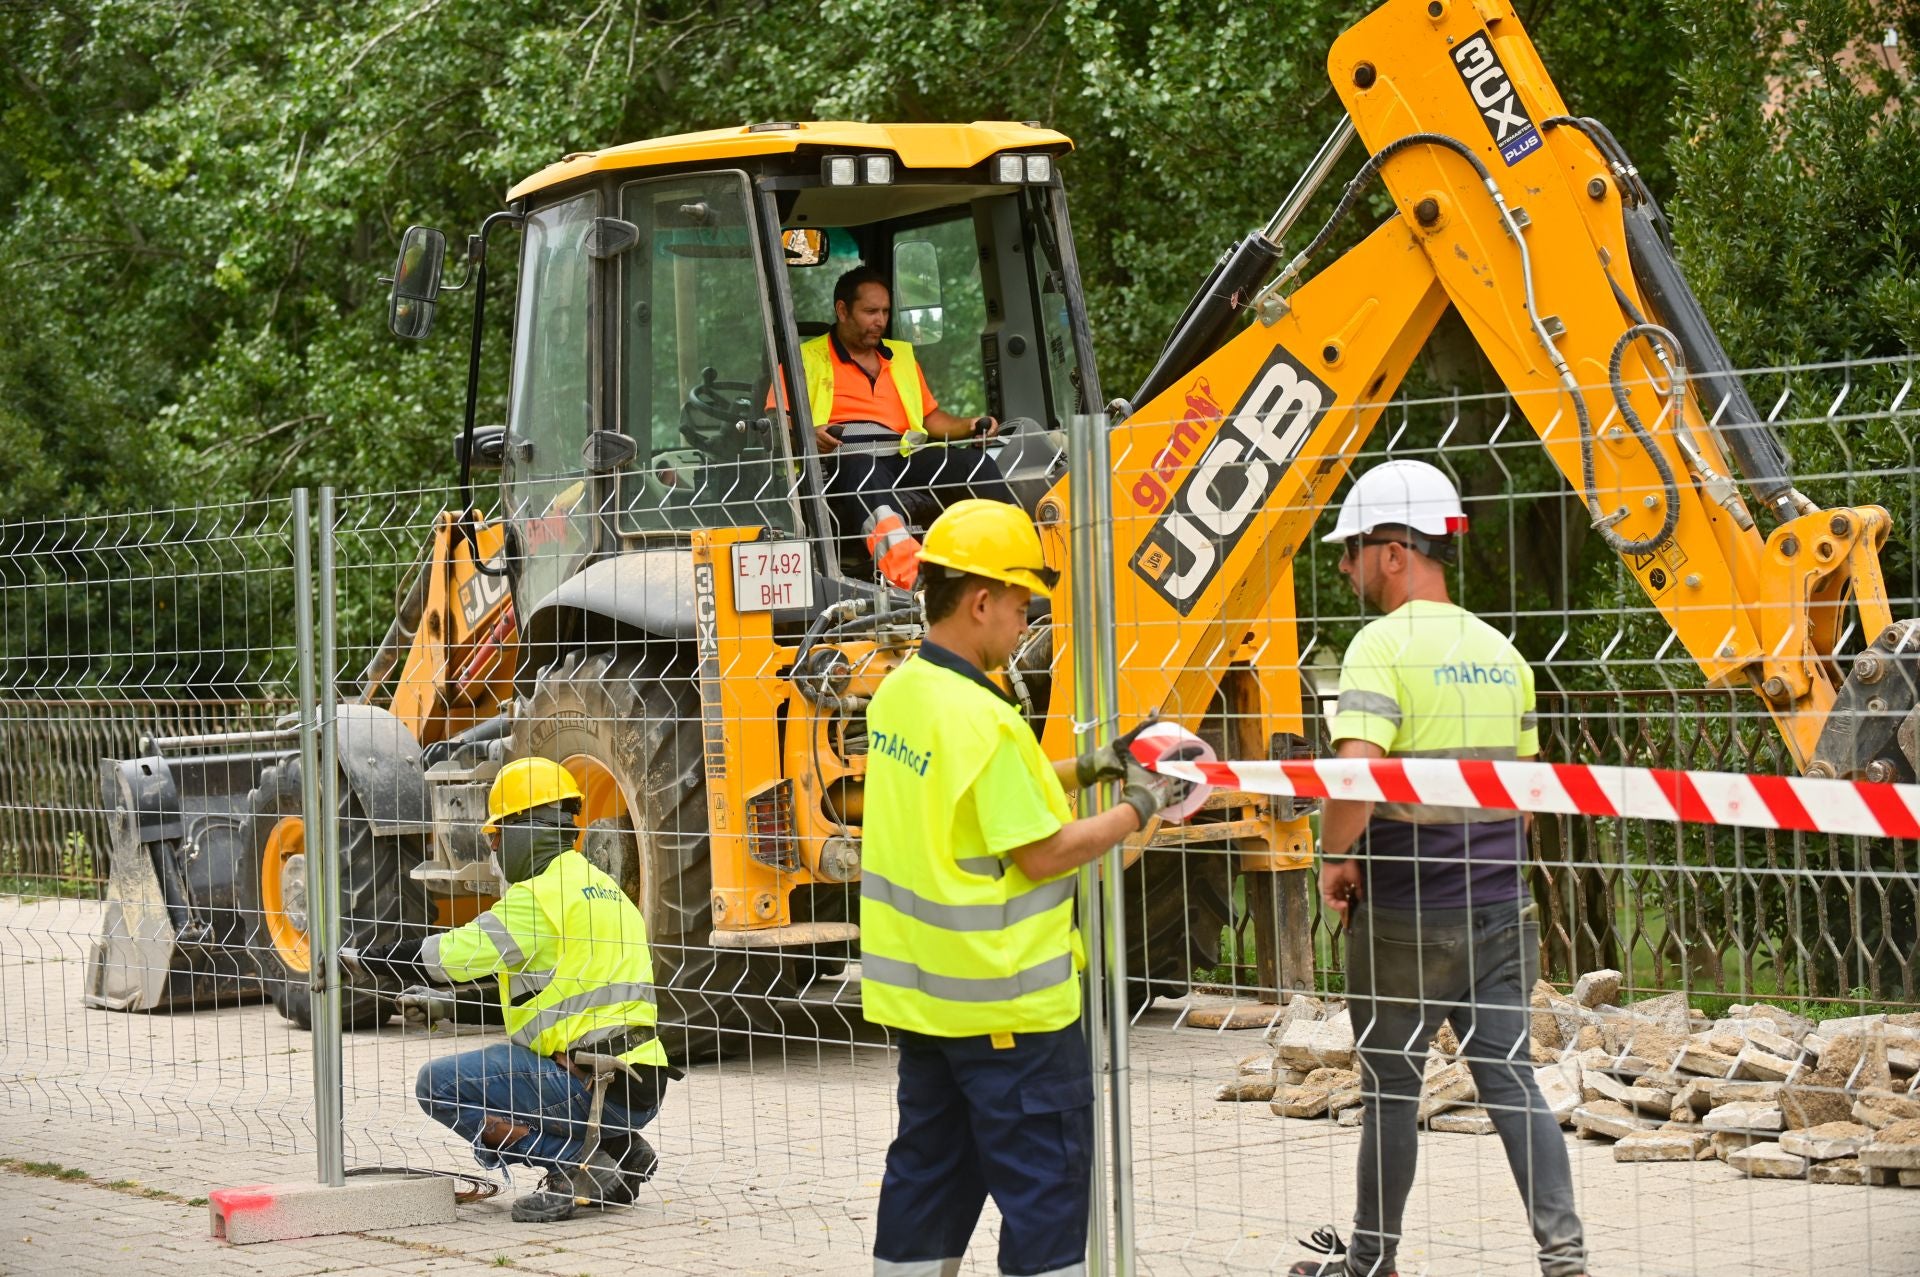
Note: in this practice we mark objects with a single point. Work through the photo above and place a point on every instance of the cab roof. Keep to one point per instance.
(918, 146)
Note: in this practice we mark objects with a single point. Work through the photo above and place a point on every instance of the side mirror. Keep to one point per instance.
(805, 247)
(416, 282)
(489, 448)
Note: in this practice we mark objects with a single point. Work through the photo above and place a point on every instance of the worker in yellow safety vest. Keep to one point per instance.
(873, 417)
(569, 950)
(969, 951)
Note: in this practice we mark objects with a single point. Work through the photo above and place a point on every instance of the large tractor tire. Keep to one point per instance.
(379, 901)
(627, 725)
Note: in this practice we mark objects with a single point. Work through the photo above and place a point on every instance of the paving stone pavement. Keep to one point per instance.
(770, 1164)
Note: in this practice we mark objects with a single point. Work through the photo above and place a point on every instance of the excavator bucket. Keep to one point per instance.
(175, 934)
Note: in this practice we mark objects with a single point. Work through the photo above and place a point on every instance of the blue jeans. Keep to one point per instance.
(520, 1090)
(1014, 1123)
(1406, 973)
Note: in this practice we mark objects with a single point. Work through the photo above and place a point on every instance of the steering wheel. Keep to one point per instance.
(710, 418)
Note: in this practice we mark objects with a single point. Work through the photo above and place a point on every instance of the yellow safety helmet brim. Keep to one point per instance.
(524, 784)
(990, 539)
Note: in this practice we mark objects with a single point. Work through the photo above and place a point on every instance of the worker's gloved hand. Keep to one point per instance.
(422, 1005)
(1149, 792)
(1109, 761)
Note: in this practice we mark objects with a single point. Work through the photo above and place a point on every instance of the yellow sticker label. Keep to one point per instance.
(1003, 1041)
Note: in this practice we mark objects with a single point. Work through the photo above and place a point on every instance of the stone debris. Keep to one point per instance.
(1843, 1170)
(1894, 1147)
(1447, 1087)
(1827, 1141)
(1598, 989)
(1768, 1161)
(1817, 1097)
(1749, 1117)
(1473, 1121)
(1663, 1145)
(1770, 1092)
(1608, 1119)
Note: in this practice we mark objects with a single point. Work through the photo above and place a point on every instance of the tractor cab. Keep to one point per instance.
(665, 288)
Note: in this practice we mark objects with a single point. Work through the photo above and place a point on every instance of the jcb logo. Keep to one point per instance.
(1239, 470)
(1506, 119)
(706, 644)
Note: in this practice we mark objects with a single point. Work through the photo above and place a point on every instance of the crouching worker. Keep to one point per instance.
(567, 939)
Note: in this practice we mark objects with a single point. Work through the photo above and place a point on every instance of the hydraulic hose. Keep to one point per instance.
(1603, 523)
(1676, 400)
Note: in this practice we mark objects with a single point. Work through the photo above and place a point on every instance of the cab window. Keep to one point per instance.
(940, 307)
(698, 363)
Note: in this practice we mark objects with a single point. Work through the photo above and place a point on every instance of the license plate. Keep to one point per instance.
(771, 574)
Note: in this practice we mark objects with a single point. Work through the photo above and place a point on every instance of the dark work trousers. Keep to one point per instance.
(867, 472)
(1474, 968)
(1014, 1123)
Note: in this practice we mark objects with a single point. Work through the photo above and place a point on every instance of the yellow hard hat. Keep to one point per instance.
(990, 539)
(525, 784)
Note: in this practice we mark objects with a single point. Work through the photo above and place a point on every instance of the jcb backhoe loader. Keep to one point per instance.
(664, 606)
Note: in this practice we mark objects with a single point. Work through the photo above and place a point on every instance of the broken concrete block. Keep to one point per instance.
(1670, 1010)
(1862, 1058)
(1597, 988)
(1246, 1089)
(1842, 1170)
(1560, 1087)
(1445, 1042)
(1827, 1141)
(1342, 1087)
(1903, 1061)
(1735, 1091)
(1770, 1041)
(1697, 1057)
(1608, 1119)
(1816, 1097)
(1663, 1146)
(1881, 1109)
(1852, 1024)
(1316, 1044)
(1604, 1086)
(1762, 1066)
(1910, 1179)
(1895, 1146)
(1726, 1143)
(1748, 1116)
(1446, 1088)
(1784, 1021)
(1767, 1161)
(1351, 1117)
(1471, 1121)
(1544, 1054)
(1301, 1008)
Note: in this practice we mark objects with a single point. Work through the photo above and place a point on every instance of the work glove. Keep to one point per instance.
(1148, 792)
(1109, 761)
(421, 1005)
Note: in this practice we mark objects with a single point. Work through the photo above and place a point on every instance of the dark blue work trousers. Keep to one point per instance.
(1016, 1124)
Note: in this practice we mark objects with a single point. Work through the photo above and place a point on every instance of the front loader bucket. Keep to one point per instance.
(174, 934)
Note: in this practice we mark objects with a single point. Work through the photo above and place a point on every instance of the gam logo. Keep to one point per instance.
(1149, 491)
(1506, 119)
(1210, 511)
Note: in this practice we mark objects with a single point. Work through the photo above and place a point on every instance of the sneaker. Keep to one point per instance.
(605, 1179)
(1336, 1262)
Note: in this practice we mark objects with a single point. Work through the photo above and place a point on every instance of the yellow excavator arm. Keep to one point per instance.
(1534, 227)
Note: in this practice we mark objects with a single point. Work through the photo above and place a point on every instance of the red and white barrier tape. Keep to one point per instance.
(1639, 793)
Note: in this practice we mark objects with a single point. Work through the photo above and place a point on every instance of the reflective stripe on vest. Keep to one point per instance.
(816, 360)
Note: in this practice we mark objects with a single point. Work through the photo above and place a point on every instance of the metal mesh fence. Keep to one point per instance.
(700, 664)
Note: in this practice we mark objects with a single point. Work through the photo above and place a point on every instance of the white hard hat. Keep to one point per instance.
(1409, 494)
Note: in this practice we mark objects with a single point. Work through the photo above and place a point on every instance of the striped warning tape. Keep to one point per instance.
(1641, 793)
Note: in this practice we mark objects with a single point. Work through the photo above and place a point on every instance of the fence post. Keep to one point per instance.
(1096, 693)
(320, 805)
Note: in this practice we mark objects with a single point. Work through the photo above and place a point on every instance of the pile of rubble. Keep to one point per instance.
(1768, 1092)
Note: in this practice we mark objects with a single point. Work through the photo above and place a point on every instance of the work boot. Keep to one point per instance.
(637, 1164)
(894, 549)
(600, 1181)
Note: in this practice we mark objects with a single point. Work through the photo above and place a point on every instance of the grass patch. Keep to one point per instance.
(45, 1170)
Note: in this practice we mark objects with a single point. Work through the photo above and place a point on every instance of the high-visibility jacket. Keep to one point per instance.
(570, 946)
(956, 941)
(816, 361)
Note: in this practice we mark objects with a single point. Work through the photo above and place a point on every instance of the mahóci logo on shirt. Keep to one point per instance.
(893, 745)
